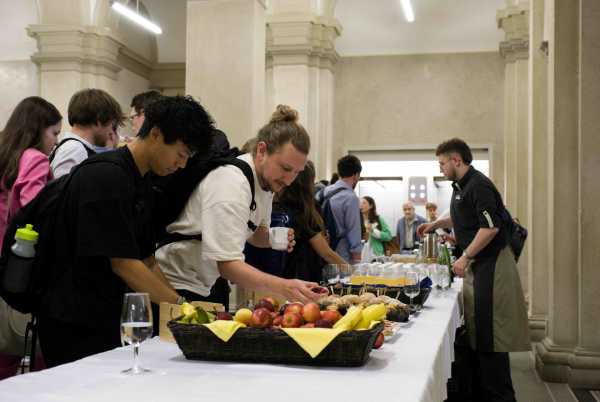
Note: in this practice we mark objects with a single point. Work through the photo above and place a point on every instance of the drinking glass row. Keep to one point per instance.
(344, 273)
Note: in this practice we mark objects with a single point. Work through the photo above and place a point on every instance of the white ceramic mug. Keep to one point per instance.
(278, 237)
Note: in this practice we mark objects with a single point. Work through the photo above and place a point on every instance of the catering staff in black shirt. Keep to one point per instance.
(103, 235)
(494, 305)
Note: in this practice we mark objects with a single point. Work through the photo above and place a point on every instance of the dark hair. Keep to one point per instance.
(141, 101)
(180, 118)
(334, 177)
(455, 145)
(283, 128)
(431, 205)
(92, 106)
(24, 129)
(301, 194)
(373, 215)
(348, 165)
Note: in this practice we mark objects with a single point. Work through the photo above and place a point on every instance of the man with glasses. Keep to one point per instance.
(138, 105)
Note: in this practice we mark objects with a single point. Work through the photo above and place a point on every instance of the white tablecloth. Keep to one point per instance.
(412, 367)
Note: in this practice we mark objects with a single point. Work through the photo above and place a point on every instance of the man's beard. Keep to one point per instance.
(263, 183)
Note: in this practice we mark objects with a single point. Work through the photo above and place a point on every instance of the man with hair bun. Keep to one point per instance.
(219, 210)
(494, 305)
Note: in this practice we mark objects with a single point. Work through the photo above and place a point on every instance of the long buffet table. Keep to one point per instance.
(413, 366)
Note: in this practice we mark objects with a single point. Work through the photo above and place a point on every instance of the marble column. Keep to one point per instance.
(571, 350)
(72, 58)
(537, 222)
(225, 63)
(300, 69)
(585, 361)
(514, 21)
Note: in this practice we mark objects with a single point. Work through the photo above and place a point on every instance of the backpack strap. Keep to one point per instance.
(248, 173)
(89, 150)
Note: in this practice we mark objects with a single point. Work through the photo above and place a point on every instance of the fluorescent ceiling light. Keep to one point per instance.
(408, 10)
(136, 17)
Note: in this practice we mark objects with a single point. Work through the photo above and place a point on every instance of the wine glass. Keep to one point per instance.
(411, 286)
(136, 326)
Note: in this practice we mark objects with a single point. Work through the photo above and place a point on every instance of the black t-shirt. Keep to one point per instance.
(106, 214)
(475, 204)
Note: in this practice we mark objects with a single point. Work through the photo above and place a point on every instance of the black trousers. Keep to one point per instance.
(491, 377)
(478, 376)
(63, 342)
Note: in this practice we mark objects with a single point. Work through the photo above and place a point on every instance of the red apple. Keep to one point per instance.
(263, 303)
(294, 308)
(311, 312)
(224, 315)
(331, 315)
(292, 320)
(379, 341)
(277, 321)
(322, 323)
(273, 302)
(308, 325)
(261, 318)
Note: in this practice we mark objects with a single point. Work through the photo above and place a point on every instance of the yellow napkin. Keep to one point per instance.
(224, 329)
(313, 340)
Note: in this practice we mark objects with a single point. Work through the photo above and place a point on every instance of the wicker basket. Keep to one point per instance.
(255, 345)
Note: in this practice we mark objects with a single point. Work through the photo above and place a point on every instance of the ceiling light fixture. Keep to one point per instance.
(408, 10)
(136, 17)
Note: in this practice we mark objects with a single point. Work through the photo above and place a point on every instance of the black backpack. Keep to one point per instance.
(328, 219)
(23, 281)
(172, 192)
(516, 234)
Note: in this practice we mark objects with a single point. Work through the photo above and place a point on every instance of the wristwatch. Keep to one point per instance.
(467, 256)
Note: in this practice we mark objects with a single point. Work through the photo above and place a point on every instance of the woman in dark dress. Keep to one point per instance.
(312, 250)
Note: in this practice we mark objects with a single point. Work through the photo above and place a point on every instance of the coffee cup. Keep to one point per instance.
(279, 238)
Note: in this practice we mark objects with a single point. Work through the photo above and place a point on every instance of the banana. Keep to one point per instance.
(375, 312)
(349, 320)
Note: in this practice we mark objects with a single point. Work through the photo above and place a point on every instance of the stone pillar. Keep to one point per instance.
(538, 175)
(555, 354)
(225, 63)
(514, 20)
(585, 362)
(72, 58)
(300, 69)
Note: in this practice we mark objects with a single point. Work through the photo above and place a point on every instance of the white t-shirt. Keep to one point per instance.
(70, 154)
(219, 208)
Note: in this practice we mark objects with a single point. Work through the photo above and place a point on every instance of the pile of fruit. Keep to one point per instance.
(395, 309)
(267, 314)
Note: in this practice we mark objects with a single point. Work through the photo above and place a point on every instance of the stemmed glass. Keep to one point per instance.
(136, 326)
(411, 286)
(331, 276)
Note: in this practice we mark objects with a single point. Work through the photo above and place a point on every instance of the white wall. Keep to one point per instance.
(420, 101)
(18, 80)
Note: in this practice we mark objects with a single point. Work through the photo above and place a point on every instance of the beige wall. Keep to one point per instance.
(420, 100)
(18, 79)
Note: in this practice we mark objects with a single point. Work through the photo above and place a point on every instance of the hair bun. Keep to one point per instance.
(284, 113)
